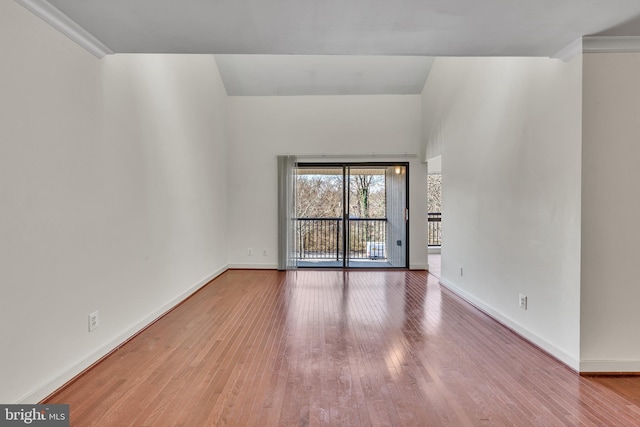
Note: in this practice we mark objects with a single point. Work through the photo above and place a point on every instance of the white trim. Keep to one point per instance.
(64, 377)
(418, 266)
(254, 266)
(570, 51)
(604, 44)
(61, 22)
(358, 156)
(609, 366)
(434, 249)
(514, 326)
(598, 44)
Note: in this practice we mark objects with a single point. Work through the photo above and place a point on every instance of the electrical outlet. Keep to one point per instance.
(93, 321)
(523, 301)
(250, 251)
(264, 252)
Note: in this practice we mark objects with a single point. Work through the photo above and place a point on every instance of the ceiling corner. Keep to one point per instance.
(570, 51)
(61, 22)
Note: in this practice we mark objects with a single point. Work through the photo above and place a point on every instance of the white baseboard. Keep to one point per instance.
(514, 326)
(609, 366)
(64, 377)
(254, 266)
(418, 266)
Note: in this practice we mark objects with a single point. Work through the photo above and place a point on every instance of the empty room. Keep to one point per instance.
(219, 213)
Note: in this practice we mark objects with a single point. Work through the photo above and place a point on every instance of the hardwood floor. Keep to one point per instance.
(334, 348)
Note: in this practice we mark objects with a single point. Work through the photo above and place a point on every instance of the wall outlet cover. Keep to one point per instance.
(522, 301)
(93, 321)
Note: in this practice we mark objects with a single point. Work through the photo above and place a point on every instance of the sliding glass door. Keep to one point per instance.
(352, 215)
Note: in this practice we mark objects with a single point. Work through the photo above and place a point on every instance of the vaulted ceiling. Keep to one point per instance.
(419, 28)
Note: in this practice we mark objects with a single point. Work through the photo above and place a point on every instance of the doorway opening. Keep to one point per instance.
(352, 215)
(434, 200)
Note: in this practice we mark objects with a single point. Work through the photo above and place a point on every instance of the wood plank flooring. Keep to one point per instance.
(334, 348)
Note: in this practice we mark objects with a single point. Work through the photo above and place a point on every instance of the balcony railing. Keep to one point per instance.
(434, 232)
(367, 238)
(321, 238)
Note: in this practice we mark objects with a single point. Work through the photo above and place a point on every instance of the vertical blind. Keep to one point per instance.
(286, 212)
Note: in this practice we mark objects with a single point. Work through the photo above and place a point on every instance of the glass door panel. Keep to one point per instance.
(397, 214)
(319, 213)
(367, 222)
(352, 215)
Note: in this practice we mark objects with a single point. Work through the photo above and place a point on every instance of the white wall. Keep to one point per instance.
(610, 213)
(509, 131)
(112, 196)
(263, 127)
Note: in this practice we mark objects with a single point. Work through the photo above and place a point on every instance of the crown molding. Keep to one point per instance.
(570, 51)
(61, 22)
(610, 44)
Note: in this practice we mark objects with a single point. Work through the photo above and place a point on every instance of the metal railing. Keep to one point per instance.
(319, 238)
(367, 238)
(322, 238)
(434, 232)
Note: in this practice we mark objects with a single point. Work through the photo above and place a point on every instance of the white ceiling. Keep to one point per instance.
(344, 27)
(323, 74)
